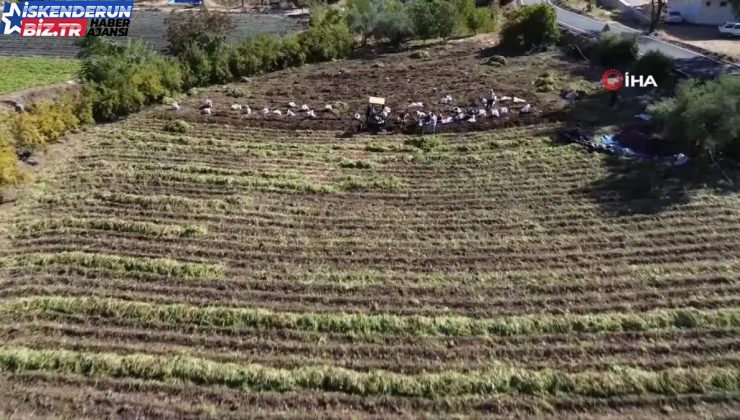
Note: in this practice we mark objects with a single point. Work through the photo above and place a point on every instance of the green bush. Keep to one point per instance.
(266, 53)
(9, 173)
(479, 20)
(327, 38)
(46, 122)
(531, 27)
(292, 51)
(206, 63)
(473, 19)
(177, 126)
(268, 50)
(617, 51)
(79, 103)
(703, 118)
(433, 18)
(244, 61)
(655, 64)
(200, 27)
(219, 53)
(196, 65)
(26, 132)
(122, 80)
(546, 82)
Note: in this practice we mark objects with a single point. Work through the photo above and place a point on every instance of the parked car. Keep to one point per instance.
(673, 17)
(730, 29)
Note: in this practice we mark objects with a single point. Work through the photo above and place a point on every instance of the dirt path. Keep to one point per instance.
(35, 94)
(704, 37)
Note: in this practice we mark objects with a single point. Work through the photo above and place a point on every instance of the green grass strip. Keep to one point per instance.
(498, 379)
(373, 324)
(162, 266)
(17, 73)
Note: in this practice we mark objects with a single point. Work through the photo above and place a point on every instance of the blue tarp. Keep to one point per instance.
(609, 142)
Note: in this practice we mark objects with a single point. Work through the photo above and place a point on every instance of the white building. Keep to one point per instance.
(703, 12)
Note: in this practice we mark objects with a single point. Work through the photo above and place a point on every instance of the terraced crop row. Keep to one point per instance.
(490, 273)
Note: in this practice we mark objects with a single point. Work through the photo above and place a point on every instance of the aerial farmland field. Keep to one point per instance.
(251, 267)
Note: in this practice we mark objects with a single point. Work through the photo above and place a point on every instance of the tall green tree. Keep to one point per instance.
(531, 27)
(361, 17)
(433, 18)
(703, 118)
(393, 23)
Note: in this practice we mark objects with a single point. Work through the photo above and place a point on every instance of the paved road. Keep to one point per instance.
(687, 61)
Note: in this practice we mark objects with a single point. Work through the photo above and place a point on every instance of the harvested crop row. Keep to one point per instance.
(390, 282)
(717, 354)
(455, 302)
(246, 241)
(498, 379)
(288, 213)
(359, 305)
(65, 224)
(60, 394)
(434, 260)
(161, 266)
(369, 324)
(542, 285)
(650, 350)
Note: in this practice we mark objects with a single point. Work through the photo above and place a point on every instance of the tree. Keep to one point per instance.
(393, 23)
(615, 50)
(657, 7)
(327, 37)
(361, 17)
(200, 27)
(433, 18)
(531, 27)
(703, 118)
(656, 64)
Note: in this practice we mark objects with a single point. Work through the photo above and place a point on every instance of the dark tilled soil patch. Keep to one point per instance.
(453, 69)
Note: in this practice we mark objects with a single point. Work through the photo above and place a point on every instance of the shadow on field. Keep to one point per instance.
(646, 187)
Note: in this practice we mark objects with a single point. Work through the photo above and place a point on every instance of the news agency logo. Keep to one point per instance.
(613, 80)
(67, 18)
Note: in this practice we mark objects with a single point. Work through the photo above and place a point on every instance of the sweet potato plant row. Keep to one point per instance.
(235, 271)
